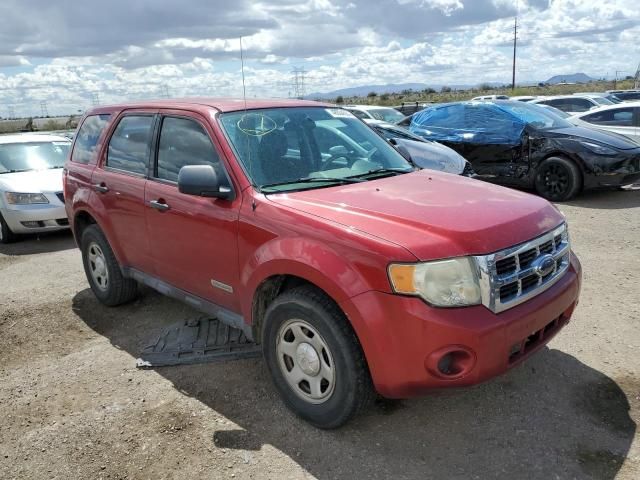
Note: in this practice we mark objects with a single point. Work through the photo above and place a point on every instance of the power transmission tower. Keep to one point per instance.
(298, 82)
(515, 43)
(43, 108)
(95, 99)
(636, 83)
(12, 112)
(165, 91)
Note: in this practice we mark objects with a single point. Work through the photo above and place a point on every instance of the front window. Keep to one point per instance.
(23, 157)
(602, 101)
(390, 115)
(283, 149)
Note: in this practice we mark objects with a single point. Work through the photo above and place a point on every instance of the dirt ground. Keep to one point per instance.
(73, 404)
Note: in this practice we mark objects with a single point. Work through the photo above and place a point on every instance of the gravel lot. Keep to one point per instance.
(74, 405)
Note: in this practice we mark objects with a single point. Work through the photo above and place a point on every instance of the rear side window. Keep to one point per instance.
(619, 117)
(184, 142)
(87, 138)
(130, 144)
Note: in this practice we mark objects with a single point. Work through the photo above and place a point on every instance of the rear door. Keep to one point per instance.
(119, 183)
(193, 239)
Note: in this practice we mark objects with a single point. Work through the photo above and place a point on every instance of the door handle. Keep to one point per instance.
(159, 205)
(101, 187)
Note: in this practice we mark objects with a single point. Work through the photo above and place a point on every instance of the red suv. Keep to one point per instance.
(296, 223)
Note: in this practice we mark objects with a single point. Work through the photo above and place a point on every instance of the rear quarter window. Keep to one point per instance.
(87, 138)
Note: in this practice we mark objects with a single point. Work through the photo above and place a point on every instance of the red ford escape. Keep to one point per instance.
(296, 223)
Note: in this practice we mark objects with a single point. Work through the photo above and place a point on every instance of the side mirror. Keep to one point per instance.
(202, 181)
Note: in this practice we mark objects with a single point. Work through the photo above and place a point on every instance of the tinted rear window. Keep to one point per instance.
(130, 144)
(87, 138)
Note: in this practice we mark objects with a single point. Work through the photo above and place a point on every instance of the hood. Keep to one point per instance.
(433, 156)
(34, 181)
(585, 133)
(431, 214)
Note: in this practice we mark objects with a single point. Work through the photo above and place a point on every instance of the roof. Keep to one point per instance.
(31, 138)
(220, 104)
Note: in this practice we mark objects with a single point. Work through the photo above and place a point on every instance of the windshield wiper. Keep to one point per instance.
(386, 171)
(335, 180)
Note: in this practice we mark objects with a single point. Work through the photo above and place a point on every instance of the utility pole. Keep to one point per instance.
(95, 99)
(515, 43)
(636, 83)
(43, 108)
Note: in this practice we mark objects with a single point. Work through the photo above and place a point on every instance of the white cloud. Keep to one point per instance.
(124, 50)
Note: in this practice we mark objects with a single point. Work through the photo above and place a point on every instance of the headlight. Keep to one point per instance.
(443, 283)
(598, 149)
(25, 198)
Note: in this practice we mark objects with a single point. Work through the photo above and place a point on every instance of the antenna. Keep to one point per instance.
(244, 89)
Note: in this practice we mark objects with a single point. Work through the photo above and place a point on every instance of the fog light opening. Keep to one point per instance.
(454, 363)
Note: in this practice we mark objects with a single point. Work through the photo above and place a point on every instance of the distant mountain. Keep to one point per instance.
(363, 90)
(573, 78)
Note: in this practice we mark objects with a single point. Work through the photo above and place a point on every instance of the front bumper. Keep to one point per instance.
(36, 218)
(603, 172)
(403, 338)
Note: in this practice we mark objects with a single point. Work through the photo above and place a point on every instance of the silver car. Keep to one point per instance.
(622, 118)
(31, 199)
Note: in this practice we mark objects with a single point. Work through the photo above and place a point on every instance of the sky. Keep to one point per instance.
(67, 55)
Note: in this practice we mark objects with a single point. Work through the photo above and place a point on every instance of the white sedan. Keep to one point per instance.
(622, 118)
(31, 199)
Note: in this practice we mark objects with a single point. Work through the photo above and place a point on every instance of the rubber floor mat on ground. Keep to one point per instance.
(199, 340)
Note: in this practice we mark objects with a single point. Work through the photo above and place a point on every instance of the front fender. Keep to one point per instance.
(335, 272)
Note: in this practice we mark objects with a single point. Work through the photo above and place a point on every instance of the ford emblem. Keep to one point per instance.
(544, 265)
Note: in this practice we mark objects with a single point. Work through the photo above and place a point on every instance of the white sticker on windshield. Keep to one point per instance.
(339, 112)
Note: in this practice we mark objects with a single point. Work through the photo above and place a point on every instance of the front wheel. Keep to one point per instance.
(558, 179)
(315, 359)
(6, 235)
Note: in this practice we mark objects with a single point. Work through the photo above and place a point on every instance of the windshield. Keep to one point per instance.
(534, 115)
(602, 100)
(390, 115)
(283, 149)
(22, 157)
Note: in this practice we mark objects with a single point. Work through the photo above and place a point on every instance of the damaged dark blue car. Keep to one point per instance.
(523, 145)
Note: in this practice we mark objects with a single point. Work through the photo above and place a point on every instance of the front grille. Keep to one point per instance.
(60, 196)
(514, 275)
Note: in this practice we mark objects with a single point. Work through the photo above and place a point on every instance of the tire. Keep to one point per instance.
(103, 271)
(6, 235)
(306, 317)
(558, 179)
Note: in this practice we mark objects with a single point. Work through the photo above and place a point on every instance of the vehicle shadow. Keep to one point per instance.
(606, 199)
(553, 417)
(42, 243)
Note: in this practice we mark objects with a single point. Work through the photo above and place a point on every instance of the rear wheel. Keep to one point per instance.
(315, 359)
(103, 271)
(558, 179)
(6, 235)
